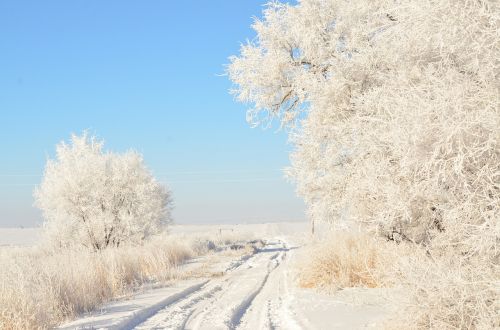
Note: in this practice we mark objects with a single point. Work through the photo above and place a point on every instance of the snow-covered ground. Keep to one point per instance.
(19, 236)
(256, 290)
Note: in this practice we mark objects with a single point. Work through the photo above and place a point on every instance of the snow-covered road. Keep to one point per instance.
(253, 295)
(253, 291)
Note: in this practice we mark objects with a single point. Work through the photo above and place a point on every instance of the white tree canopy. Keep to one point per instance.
(397, 106)
(98, 198)
(394, 110)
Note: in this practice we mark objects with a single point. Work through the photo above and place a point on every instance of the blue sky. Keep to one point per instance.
(144, 75)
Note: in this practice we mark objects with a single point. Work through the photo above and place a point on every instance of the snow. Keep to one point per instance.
(127, 314)
(255, 291)
(358, 309)
(19, 236)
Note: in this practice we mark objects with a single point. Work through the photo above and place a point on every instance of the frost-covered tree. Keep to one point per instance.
(100, 199)
(393, 107)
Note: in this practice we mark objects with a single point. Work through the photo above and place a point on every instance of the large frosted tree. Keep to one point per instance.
(393, 109)
(392, 105)
(100, 199)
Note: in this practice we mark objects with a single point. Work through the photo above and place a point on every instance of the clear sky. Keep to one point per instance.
(144, 75)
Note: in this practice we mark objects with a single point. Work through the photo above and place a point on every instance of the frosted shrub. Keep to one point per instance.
(100, 199)
(447, 291)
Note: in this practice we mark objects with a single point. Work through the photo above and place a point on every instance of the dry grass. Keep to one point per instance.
(40, 288)
(446, 286)
(345, 260)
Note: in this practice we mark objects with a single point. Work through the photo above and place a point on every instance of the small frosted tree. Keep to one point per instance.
(100, 199)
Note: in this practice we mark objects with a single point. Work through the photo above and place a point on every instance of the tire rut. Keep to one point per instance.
(197, 310)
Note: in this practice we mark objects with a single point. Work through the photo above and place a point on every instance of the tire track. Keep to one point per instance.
(223, 302)
(242, 309)
(271, 308)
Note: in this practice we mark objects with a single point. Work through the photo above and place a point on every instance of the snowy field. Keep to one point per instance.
(19, 236)
(30, 236)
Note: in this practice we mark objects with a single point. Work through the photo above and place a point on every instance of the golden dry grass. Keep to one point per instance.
(344, 260)
(443, 289)
(41, 288)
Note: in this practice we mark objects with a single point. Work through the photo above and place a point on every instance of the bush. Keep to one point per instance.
(97, 199)
(447, 292)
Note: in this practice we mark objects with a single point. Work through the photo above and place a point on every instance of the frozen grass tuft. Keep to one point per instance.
(344, 260)
(446, 285)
